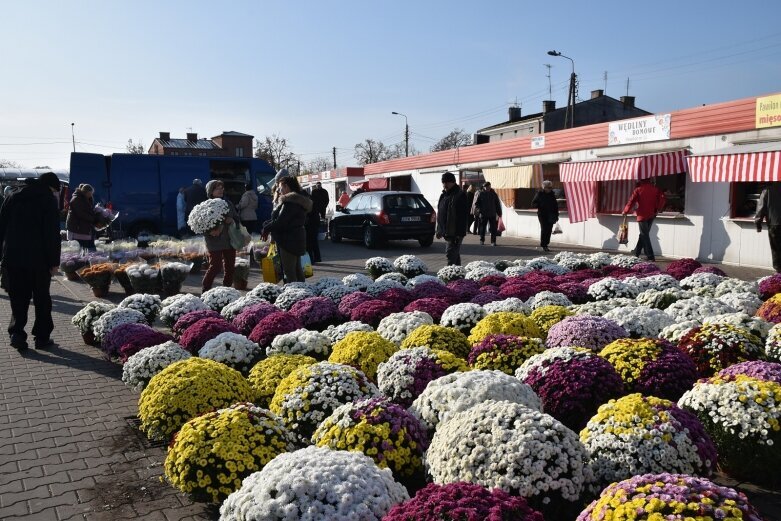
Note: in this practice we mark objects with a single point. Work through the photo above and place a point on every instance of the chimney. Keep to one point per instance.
(548, 106)
(515, 114)
(628, 101)
(192, 136)
(597, 93)
(165, 136)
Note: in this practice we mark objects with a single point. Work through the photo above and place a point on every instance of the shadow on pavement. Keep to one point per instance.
(59, 356)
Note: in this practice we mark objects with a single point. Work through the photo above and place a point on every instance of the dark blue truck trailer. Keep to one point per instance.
(143, 188)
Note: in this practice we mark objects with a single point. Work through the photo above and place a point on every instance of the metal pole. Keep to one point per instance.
(73, 136)
(406, 137)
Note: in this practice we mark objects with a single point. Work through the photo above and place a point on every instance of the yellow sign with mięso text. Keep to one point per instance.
(769, 111)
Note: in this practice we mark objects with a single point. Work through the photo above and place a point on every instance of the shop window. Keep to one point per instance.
(550, 172)
(613, 195)
(744, 198)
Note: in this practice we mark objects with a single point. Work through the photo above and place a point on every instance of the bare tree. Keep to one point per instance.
(456, 139)
(399, 150)
(133, 148)
(6, 163)
(276, 151)
(371, 151)
(319, 164)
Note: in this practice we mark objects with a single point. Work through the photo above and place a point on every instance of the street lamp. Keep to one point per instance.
(406, 133)
(569, 116)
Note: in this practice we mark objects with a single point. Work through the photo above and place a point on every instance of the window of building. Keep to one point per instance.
(744, 199)
(203, 154)
(239, 151)
(550, 172)
(613, 195)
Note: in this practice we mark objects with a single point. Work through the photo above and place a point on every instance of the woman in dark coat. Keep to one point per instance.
(287, 227)
(218, 242)
(547, 212)
(82, 217)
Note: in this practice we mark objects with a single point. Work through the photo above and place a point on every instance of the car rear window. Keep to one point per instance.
(406, 201)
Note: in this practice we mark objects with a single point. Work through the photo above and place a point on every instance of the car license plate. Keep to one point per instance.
(410, 218)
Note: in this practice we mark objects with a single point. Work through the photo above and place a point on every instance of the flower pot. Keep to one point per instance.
(89, 338)
(240, 284)
(101, 291)
(72, 275)
(170, 288)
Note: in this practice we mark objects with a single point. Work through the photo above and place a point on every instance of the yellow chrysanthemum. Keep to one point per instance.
(547, 316)
(364, 350)
(438, 338)
(266, 374)
(507, 323)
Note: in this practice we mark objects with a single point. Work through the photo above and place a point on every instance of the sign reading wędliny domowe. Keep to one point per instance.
(640, 130)
(769, 111)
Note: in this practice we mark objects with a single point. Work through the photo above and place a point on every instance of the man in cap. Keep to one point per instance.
(451, 218)
(30, 246)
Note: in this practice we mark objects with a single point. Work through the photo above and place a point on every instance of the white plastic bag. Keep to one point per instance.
(556, 229)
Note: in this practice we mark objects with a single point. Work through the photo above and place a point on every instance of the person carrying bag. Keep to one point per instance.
(239, 236)
(286, 227)
(271, 265)
(547, 212)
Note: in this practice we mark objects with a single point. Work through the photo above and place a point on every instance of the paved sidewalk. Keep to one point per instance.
(67, 450)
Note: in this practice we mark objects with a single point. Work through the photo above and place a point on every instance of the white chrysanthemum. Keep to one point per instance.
(378, 287)
(755, 325)
(548, 298)
(662, 299)
(233, 350)
(301, 342)
(337, 333)
(624, 261)
(218, 298)
(700, 280)
(358, 281)
(398, 277)
(660, 281)
(420, 279)
(288, 298)
(743, 302)
(463, 316)
(537, 263)
(267, 291)
(571, 260)
(697, 308)
(179, 305)
(674, 332)
(232, 310)
(543, 361)
(481, 272)
(479, 264)
(142, 366)
(608, 288)
(149, 305)
(326, 282)
(512, 305)
(731, 285)
(208, 214)
(555, 268)
(599, 260)
(600, 307)
(410, 265)
(396, 326)
(114, 318)
(336, 293)
(517, 271)
(377, 266)
(451, 273)
(315, 483)
(459, 391)
(85, 319)
(773, 344)
(500, 444)
(640, 321)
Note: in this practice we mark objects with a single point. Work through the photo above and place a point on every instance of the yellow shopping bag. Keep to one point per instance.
(271, 265)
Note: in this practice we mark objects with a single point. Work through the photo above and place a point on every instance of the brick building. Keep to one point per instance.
(227, 144)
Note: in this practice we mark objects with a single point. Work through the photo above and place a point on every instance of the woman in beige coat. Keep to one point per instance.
(248, 209)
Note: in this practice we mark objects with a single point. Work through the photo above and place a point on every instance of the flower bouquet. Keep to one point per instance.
(410, 266)
(71, 263)
(249, 317)
(105, 217)
(543, 461)
(316, 312)
(85, 319)
(438, 337)
(378, 266)
(265, 376)
(363, 350)
(504, 352)
(259, 250)
(311, 393)
(219, 297)
(651, 366)
(173, 275)
(213, 453)
(571, 382)
(301, 342)
(196, 336)
(586, 331)
(462, 500)
(241, 273)
(176, 306)
(639, 434)
(457, 392)
(113, 318)
(307, 481)
(407, 372)
(382, 430)
(207, 215)
(272, 325)
(142, 366)
(144, 278)
(186, 389)
(98, 277)
(337, 333)
(741, 409)
(397, 326)
(717, 346)
(233, 350)
(508, 323)
(658, 495)
(148, 305)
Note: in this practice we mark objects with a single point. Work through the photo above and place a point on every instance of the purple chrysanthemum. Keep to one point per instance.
(272, 325)
(317, 313)
(518, 289)
(682, 268)
(432, 290)
(188, 319)
(433, 306)
(770, 286)
(587, 331)
(195, 336)
(485, 298)
(761, 370)
(399, 295)
(140, 341)
(121, 335)
(466, 289)
(710, 269)
(353, 300)
(575, 292)
(373, 311)
(646, 267)
(492, 280)
(249, 317)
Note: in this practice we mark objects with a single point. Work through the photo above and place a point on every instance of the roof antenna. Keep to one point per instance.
(627, 86)
(604, 77)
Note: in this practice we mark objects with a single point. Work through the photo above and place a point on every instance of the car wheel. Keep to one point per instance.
(333, 232)
(370, 238)
(426, 241)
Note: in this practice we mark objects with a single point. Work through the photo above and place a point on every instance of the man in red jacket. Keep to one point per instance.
(650, 201)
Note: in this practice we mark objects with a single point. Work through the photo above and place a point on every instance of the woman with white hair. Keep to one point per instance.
(547, 212)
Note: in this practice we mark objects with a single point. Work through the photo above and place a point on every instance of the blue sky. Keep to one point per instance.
(324, 74)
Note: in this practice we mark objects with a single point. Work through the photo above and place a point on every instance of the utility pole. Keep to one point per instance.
(73, 136)
(569, 116)
(550, 87)
(406, 132)
(334, 158)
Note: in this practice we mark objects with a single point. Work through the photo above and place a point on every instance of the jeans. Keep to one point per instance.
(291, 266)
(774, 233)
(453, 250)
(24, 284)
(220, 259)
(546, 228)
(644, 239)
(491, 222)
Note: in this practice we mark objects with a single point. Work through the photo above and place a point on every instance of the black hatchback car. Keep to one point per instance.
(373, 217)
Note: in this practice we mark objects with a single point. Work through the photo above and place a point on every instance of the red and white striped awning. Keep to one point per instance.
(580, 179)
(757, 162)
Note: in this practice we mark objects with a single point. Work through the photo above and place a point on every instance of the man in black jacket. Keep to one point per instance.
(320, 200)
(547, 212)
(193, 195)
(490, 210)
(451, 218)
(30, 246)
